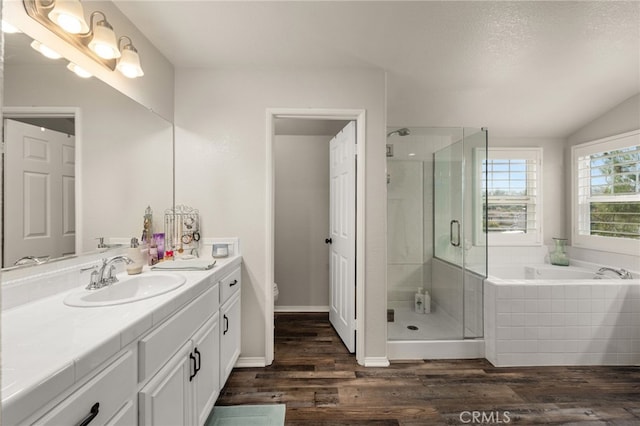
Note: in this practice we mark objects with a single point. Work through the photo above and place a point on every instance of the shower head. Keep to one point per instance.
(400, 132)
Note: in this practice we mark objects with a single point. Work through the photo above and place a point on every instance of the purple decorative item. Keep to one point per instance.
(159, 239)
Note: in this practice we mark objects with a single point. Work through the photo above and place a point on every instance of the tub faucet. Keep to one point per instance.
(106, 274)
(621, 273)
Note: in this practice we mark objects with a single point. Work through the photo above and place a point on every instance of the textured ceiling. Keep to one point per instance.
(539, 69)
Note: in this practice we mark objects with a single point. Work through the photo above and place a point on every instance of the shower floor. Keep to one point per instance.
(410, 325)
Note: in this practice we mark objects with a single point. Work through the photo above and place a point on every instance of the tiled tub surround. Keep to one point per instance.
(579, 321)
(48, 347)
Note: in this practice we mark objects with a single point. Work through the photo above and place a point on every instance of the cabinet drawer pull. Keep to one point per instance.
(92, 415)
(226, 324)
(199, 361)
(232, 283)
(192, 375)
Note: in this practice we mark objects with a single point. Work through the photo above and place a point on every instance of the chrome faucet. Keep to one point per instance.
(106, 274)
(621, 273)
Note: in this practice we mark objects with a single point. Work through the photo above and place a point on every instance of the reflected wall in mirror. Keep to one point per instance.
(122, 158)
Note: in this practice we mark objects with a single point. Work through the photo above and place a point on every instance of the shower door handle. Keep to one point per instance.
(456, 242)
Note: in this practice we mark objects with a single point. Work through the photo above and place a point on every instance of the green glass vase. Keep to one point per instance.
(559, 254)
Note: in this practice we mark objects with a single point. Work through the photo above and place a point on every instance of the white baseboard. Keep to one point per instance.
(250, 362)
(373, 361)
(278, 308)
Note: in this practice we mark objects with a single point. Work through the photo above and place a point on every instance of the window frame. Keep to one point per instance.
(599, 242)
(533, 238)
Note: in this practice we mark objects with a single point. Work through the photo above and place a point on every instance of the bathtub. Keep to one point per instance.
(558, 315)
(542, 272)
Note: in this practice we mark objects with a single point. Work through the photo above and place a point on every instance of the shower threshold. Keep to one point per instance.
(435, 335)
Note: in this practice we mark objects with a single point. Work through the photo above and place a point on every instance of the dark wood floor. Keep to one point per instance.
(321, 384)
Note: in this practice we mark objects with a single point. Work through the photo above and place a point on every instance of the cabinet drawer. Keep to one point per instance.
(157, 347)
(229, 285)
(110, 388)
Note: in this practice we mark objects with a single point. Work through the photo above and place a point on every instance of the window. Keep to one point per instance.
(511, 195)
(606, 194)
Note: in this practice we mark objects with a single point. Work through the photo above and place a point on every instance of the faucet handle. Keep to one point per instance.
(93, 281)
(626, 275)
(111, 278)
(88, 268)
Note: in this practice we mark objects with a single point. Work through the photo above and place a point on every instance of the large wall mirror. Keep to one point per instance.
(84, 161)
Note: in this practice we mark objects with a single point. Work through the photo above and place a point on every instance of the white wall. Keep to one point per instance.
(221, 169)
(302, 221)
(620, 119)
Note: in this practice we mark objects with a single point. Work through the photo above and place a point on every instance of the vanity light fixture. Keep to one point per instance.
(129, 63)
(45, 50)
(97, 40)
(79, 71)
(103, 42)
(69, 15)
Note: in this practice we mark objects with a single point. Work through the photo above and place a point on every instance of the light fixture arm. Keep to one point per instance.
(126, 46)
(103, 22)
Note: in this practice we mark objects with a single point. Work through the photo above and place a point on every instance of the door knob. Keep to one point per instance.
(328, 241)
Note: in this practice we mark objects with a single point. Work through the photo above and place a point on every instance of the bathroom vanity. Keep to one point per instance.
(162, 359)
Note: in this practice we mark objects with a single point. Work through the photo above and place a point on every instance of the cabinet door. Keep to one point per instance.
(206, 349)
(229, 336)
(166, 399)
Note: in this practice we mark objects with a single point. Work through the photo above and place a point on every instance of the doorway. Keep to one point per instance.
(297, 118)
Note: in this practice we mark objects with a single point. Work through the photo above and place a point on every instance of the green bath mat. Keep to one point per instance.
(247, 415)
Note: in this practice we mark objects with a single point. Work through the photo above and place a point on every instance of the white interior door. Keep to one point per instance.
(39, 215)
(342, 223)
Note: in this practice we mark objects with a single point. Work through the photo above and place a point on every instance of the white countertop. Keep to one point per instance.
(48, 346)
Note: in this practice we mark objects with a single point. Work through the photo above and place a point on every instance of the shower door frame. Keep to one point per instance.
(465, 222)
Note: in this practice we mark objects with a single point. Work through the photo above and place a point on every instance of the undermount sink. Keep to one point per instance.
(128, 289)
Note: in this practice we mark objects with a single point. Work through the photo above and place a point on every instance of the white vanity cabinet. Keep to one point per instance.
(186, 386)
(106, 399)
(230, 323)
(170, 372)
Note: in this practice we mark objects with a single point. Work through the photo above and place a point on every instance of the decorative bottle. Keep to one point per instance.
(559, 254)
(419, 301)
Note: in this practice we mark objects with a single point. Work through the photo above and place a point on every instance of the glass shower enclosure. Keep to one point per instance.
(436, 236)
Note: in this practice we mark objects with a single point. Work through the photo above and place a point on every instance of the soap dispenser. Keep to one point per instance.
(134, 253)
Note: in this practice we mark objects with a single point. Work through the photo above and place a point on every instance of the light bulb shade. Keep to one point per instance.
(45, 50)
(103, 42)
(79, 71)
(8, 28)
(129, 63)
(69, 15)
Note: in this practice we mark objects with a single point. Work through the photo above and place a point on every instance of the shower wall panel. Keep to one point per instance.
(405, 248)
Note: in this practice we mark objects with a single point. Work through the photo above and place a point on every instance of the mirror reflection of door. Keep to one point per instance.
(39, 190)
